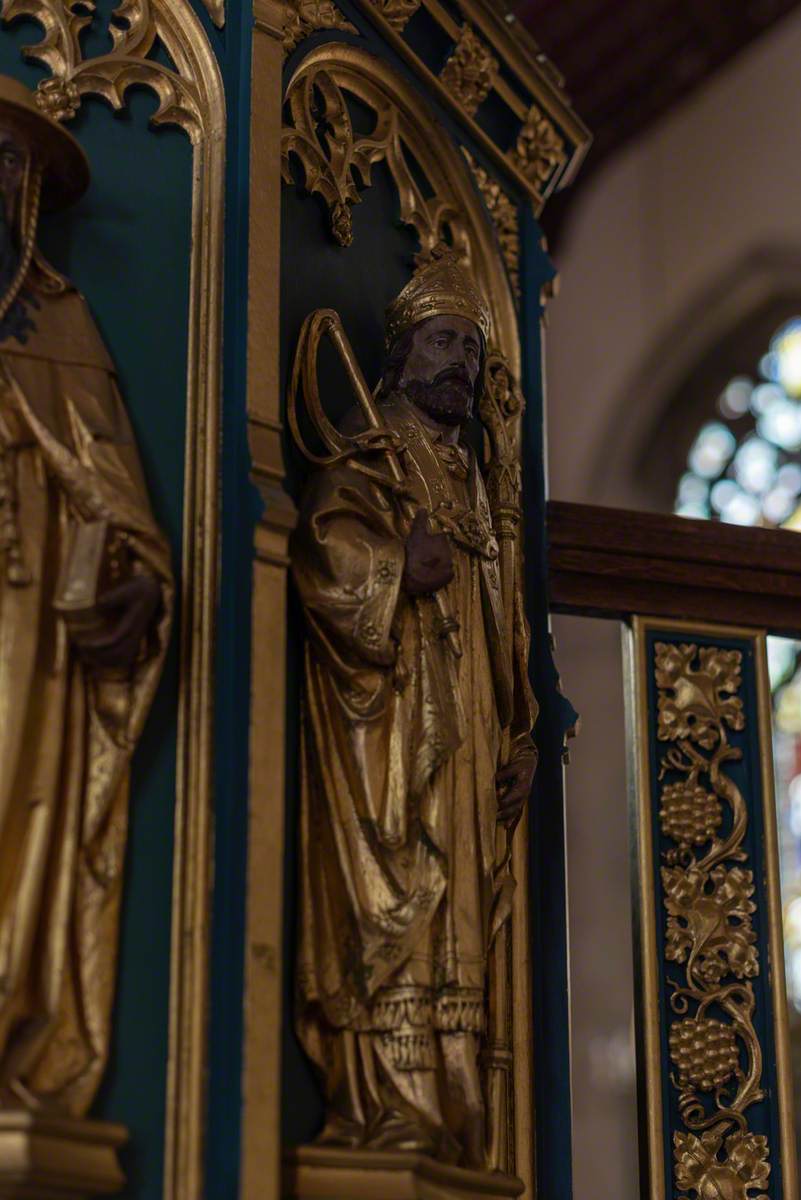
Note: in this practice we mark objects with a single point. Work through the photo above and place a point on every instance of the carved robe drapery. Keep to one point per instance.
(400, 895)
(66, 731)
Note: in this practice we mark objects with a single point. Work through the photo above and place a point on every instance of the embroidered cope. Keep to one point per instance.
(400, 895)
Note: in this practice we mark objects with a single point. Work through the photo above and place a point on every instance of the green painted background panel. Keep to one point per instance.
(126, 246)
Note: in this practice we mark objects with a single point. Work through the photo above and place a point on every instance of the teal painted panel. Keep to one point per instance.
(240, 511)
(126, 246)
(723, 979)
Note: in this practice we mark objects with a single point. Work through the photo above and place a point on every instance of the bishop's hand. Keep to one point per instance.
(130, 607)
(513, 784)
(429, 558)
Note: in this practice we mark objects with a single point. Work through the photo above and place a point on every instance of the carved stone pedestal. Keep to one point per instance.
(56, 1158)
(318, 1173)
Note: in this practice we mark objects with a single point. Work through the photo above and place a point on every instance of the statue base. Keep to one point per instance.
(58, 1158)
(321, 1173)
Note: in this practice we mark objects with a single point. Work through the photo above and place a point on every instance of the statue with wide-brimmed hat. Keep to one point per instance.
(85, 607)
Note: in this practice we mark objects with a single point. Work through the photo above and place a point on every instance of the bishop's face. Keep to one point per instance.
(442, 367)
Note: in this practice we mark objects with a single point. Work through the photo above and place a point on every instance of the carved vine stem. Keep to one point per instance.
(714, 1047)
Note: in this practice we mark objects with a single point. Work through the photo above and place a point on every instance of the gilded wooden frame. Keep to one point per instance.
(645, 894)
(194, 847)
(191, 95)
(260, 1158)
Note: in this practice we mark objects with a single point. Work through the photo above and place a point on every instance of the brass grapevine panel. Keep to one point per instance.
(713, 1051)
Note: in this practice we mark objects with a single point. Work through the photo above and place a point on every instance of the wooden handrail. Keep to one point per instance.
(611, 562)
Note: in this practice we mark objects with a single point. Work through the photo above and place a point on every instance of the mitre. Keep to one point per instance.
(441, 288)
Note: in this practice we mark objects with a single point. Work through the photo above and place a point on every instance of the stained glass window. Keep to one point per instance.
(744, 467)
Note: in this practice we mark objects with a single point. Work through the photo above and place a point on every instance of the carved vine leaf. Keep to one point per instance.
(307, 16)
(700, 1170)
(133, 29)
(710, 922)
(694, 701)
(709, 932)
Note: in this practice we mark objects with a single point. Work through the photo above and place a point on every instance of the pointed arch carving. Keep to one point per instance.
(190, 96)
(411, 142)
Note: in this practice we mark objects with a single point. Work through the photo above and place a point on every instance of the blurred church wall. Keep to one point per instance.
(716, 181)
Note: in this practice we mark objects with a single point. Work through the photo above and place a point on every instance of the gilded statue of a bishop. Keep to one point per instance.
(417, 742)
(85, 602)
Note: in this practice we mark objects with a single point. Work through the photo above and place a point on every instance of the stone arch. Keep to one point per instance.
(723, 331)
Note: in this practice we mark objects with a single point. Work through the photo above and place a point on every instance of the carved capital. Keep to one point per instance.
(270, 16)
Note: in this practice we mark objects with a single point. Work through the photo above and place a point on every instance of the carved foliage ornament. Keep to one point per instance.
(305, 17)
(708, 895)
(504, 216)
(540, 150)
(134, 28)
(337, 163)
(397, 12)
(470, 71)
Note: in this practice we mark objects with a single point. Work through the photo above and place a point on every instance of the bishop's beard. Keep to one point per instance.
(448, 397)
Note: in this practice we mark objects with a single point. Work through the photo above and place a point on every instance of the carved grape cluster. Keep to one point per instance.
(690, 815)
(705, 1053)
